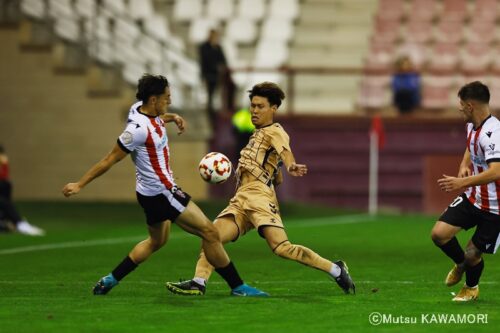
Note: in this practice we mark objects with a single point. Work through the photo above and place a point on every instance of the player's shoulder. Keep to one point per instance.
(491, 125)
(275, 127)
(135, 118)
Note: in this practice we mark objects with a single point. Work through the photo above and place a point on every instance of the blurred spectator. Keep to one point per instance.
(213, 66)
(405, 86)
(9, 216)
(243, 128)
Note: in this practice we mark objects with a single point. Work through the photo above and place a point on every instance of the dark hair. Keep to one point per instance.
(270, 90)
(2, 150)
(476, 91)
(150, 85)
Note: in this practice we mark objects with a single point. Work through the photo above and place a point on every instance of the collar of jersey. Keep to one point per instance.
(266, 126)
(147, 115)
(481, 125)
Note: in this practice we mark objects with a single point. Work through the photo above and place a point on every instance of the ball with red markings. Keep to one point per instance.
(215, 168)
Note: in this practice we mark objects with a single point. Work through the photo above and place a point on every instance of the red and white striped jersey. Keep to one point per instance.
(145, 137)
(484, 146)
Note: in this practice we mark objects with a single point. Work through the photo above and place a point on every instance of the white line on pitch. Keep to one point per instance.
(314, 222)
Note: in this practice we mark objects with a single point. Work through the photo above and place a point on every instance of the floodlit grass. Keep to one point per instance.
(397, 270)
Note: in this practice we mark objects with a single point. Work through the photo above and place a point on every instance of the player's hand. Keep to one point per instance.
(464, 172)
(449, 183)
(297, 170)
(181, 124)
(71, 189)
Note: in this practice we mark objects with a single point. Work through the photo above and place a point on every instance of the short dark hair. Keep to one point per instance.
(2, 149)
(476, 91)
(270, 90)
(150, 85)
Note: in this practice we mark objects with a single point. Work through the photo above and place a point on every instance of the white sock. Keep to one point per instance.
(200, 281)
(335, 270)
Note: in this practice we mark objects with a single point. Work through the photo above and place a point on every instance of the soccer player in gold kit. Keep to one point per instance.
(254, 204)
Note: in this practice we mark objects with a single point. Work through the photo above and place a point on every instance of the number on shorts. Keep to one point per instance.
(457, 201)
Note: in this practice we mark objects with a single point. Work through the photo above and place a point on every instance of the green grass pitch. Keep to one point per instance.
(45, 283)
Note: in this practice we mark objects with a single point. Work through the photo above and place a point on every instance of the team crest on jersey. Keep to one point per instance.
(127, 137)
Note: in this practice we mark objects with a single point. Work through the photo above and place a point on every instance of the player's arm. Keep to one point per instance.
(178, 120)
(294, 169)
(464, 169)
(448, 183)
(113, 157)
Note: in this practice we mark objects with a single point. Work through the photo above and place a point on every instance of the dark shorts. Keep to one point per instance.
(461, 213)
(165, 206)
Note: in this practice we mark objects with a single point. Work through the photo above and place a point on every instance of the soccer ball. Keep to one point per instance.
(215, 168)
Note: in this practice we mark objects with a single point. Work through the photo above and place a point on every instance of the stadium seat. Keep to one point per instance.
(157, 26)
(187, 10)
(386, 31)
(241, 30)
(98, 29)
(140, 9)
(481, 31)
(131, 71)
(220, 9)
(279, 30)
(454, 10)
(374, 91)
(251, 9)
(449, 31)
(68, 29)
(436, 91)
(86, 9)
(284, 9)
(153, 47)
(417, 31)
(60, 8)
(444, 58)
(475, 58)
(271, 53)
(101, 51)
(380, 57)
(423, 10)
(113, 8)
(34, 8)
(485, 10)
(199, 29)
(391, 10)
(125, 30)
(416, 51)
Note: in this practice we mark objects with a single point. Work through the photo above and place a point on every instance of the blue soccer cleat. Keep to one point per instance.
(246, 290)
(105, 284)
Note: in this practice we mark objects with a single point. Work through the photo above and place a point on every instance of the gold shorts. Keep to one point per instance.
(253, 206)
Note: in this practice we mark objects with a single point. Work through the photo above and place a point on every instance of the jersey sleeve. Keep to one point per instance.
(279, 139)
(133, 136)
(490, 143)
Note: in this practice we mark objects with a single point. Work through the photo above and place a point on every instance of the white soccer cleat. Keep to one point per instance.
(25, 228)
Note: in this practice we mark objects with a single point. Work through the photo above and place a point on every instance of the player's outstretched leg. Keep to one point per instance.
(281, 246)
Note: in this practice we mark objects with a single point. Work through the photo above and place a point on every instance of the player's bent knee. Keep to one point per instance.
(210, 233)
(284, 250)
(438, 238)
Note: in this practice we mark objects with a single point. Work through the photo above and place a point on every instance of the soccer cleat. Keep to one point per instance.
(467, 294)
(25, 228)
(105, 284)
(248, 291)
(344, 280)
(454, 276)
(186, 288)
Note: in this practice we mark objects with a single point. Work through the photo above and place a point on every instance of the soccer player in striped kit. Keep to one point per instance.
(163, 202)
(478, 206)
(254, 206)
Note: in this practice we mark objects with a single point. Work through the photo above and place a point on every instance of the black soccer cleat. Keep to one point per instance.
(344, 280)
(186, 288)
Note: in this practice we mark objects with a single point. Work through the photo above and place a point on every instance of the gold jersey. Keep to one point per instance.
(261, 156)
